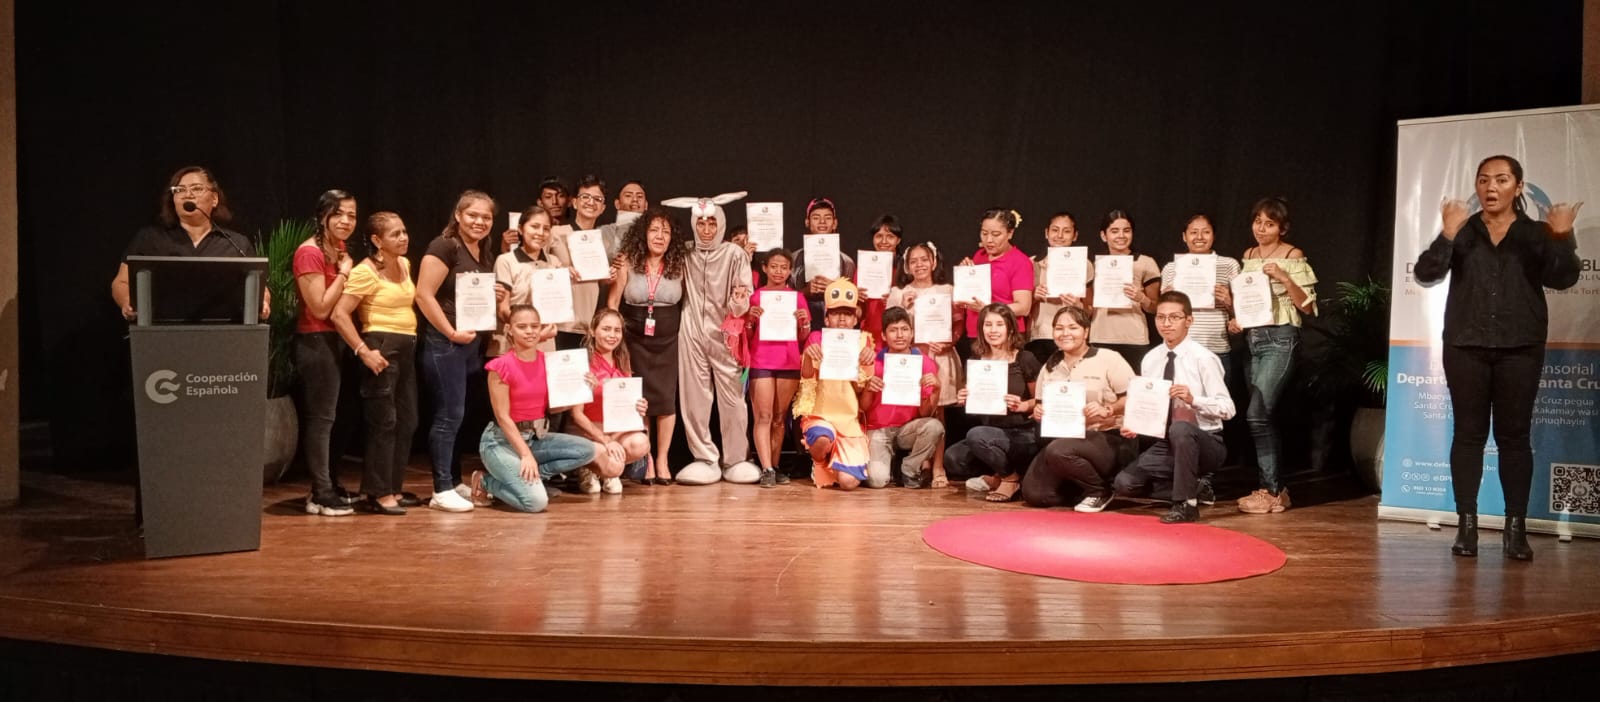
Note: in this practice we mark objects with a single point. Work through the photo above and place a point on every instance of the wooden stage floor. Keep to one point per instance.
(794, 586)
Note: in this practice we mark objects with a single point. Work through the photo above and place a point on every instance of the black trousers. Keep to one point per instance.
(1500, 384)
(317, 359)
(1174, 465)
(389, 402)
(1070, 468)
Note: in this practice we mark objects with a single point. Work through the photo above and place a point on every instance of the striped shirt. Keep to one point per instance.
(1210, 327)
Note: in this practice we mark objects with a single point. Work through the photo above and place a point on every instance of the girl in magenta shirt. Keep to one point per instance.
(1010, 272)
(608, 358)
(774, 368)
(518, 449)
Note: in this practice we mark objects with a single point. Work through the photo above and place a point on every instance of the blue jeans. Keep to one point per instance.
(1271, 361)
(555, 453)
(445, 368)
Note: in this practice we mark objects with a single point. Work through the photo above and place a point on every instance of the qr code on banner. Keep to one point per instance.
(1575, 489)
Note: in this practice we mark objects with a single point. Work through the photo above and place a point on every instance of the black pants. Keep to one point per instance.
(1172, 468)
(317, 359)
(1498, 383)
(390, 403)
(992, 450)
(1071, 468)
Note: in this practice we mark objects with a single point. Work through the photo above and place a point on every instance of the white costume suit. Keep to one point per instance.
(706, 369)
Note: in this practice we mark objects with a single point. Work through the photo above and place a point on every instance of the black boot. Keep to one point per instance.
(1515, 538)
(1466, 535)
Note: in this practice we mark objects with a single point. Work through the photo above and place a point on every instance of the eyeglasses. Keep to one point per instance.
(196, 190)
(591, 198)
(1170, 318)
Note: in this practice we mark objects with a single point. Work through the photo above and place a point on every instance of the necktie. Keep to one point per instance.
(1168, 374)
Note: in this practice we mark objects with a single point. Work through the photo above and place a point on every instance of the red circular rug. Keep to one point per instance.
(1103, 548)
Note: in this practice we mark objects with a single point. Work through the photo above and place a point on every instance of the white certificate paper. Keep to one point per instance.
(874, 273)
(902, 379)
(564, 373)
(972, 282)
(841, 354)
(931, 319)
(1063, 410)
(1111, 273)
(986, 387)
(625, 217)
(1146, 410)
(515, 219)
(778, 321)
(1252, 299)
(588, 251)
(1066, 270)
(765, 223)
(475, 306)
(620, 405)
(552, 295)
(1195, 275)
(822, 256)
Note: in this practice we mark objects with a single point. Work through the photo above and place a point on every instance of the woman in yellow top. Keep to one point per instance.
(1272, 347)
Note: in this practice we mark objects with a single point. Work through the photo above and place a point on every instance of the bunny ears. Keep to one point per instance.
(704, 206)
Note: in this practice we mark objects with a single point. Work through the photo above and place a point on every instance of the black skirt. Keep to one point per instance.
(654, 358)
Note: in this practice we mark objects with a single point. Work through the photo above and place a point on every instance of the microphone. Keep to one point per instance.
(191, 207)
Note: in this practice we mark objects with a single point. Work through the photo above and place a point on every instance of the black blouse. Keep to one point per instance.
(1019, 373)
(1496, 297)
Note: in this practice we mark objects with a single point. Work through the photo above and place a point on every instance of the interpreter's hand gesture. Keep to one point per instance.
(1454, 213)
(1562, 216)
(373, 359)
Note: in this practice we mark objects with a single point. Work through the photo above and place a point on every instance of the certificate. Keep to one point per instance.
(841, 354)
(778, 322)
(1252, 299)
(972, 283)
(1111, 273)
(552, 295)
(588, 251)
(564, 373)
(1066, 270)
(986, 386)
(931, 319)
(625, 218)
(764, 220)
(874, 273)
(902, 379)
(620, 404)
(475, 306)
(1146, 410)
(515, 219)
(1195, 275)
(822, 256)
(1063, 410)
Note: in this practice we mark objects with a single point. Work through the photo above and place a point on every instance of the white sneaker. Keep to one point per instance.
(978, 484)
(1093, 503)
(327, 510)
(588, 482)
(450, 501)
(612, 486)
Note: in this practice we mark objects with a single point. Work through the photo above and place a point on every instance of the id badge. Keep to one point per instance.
(650, 326)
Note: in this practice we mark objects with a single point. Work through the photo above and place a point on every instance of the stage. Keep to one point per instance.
(734, 585)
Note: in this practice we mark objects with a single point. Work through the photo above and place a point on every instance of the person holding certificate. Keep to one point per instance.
(608, 359)
(922, 273)
(631, 198)
(515, 270)
(519, 451)
(886, 236)
(998, 445)
(717, 287)
(775, 323)
(821, 218)
(1210, 325)
(1081, 469)
(1197, 404)
(452, 349)
(588, 258)
(1061, 232)
(321, 267)
(1010, 273)
(649, 293)
(899, 402)
(1272, 347)
(1496, 322)
(829, 410)
(1125, 329)
(381, 288)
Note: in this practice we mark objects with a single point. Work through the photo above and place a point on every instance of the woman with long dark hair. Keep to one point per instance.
(321, 269)
(648, 291)
(998, 447)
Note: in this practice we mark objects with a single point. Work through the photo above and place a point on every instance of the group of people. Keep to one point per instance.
(683, 312)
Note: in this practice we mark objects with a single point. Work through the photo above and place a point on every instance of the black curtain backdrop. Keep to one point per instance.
(930, 111)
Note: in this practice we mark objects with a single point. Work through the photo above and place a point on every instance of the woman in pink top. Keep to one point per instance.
(1010, 273)
(608, 358)
(774, 368)
(321, 268)
(518, 449)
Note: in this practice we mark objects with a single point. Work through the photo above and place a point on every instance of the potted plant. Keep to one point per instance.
(1352, 370)
(283, 424)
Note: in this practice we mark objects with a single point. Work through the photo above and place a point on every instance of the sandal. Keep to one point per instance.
(1006, 492)
(939, 481)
